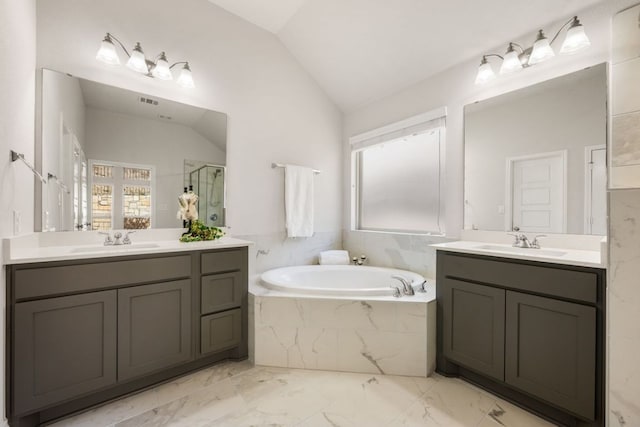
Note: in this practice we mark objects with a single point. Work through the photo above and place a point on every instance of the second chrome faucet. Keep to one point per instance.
(522, 241)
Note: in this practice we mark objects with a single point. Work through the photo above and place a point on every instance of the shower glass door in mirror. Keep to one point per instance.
(118, 157)
(535, 158)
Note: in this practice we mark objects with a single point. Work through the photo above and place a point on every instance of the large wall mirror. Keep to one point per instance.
(118, 159)
(535, 158)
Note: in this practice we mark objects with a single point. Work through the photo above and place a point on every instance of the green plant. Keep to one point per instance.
(200, 232)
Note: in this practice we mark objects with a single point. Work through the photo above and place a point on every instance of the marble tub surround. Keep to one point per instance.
(411, 252)
(45, 247)
(625, 152)
(568, 257)
(369, 336)
(623, 307)
(238, 394)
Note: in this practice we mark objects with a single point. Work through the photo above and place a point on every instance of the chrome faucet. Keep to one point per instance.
(359, 261)
(127, 240)
(115, 240)
(108, 241)
(522, 241)
(407, 289)
(117, 236)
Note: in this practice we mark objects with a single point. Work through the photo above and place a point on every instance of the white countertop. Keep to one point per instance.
(568, 256)
(30, 254)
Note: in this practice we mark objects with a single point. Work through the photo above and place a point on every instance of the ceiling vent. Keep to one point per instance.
(148, 101)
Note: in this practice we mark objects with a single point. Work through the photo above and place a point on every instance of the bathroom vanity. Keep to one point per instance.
(84, 331)
(530, 331)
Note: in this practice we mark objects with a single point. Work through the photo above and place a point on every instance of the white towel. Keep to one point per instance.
(298, 200)
(334, 257)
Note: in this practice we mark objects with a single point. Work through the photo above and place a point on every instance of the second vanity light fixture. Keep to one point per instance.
(516, 58)
(159, 68)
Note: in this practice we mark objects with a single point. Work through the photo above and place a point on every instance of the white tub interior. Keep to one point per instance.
(338, 280)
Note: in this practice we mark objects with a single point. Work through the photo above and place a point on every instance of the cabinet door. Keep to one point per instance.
(64, 347)
(154, 327)
(221, 292)
(551, 351)
(473, 326)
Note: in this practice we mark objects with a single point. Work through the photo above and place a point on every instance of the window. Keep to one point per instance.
(397, 177)
(121, 195)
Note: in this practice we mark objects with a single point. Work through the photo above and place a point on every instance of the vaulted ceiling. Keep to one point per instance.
(363, 50)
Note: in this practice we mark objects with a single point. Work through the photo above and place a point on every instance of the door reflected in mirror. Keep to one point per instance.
(119, 159)
(535, 158)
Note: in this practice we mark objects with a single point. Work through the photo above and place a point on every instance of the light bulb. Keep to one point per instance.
(161, 69)
(576, 39)
(107, 52)
(511, 61)
(485, 72)
(186, 79)
(541, 50)
(137, 61)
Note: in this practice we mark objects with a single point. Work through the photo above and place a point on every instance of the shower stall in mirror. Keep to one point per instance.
(207, 182)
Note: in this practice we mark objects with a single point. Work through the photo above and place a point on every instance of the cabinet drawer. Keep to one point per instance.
(221, 331)
(37, 282)
(220, 261)
(220, 292)
(560, 282)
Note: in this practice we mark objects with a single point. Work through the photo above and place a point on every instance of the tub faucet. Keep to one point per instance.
(359, 261)
(396, 291)
(407, 289)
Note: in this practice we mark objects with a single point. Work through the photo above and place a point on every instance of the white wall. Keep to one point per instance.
(129, 139)
(277, 113)
(17, 86)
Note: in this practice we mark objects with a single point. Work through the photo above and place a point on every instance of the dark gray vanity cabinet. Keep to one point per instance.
(83, 332)
(531, 332)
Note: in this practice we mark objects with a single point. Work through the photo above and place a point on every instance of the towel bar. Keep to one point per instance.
(280, 165)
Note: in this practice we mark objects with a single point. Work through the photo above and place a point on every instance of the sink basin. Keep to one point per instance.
(114, 248)
(523, 251)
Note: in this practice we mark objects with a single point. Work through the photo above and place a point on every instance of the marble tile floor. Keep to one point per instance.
(240, 394)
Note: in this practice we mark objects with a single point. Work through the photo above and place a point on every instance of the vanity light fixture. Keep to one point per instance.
(516, 57)
(159, 68)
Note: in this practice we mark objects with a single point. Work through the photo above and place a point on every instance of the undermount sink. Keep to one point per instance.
(524, 251)
(115, 248)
